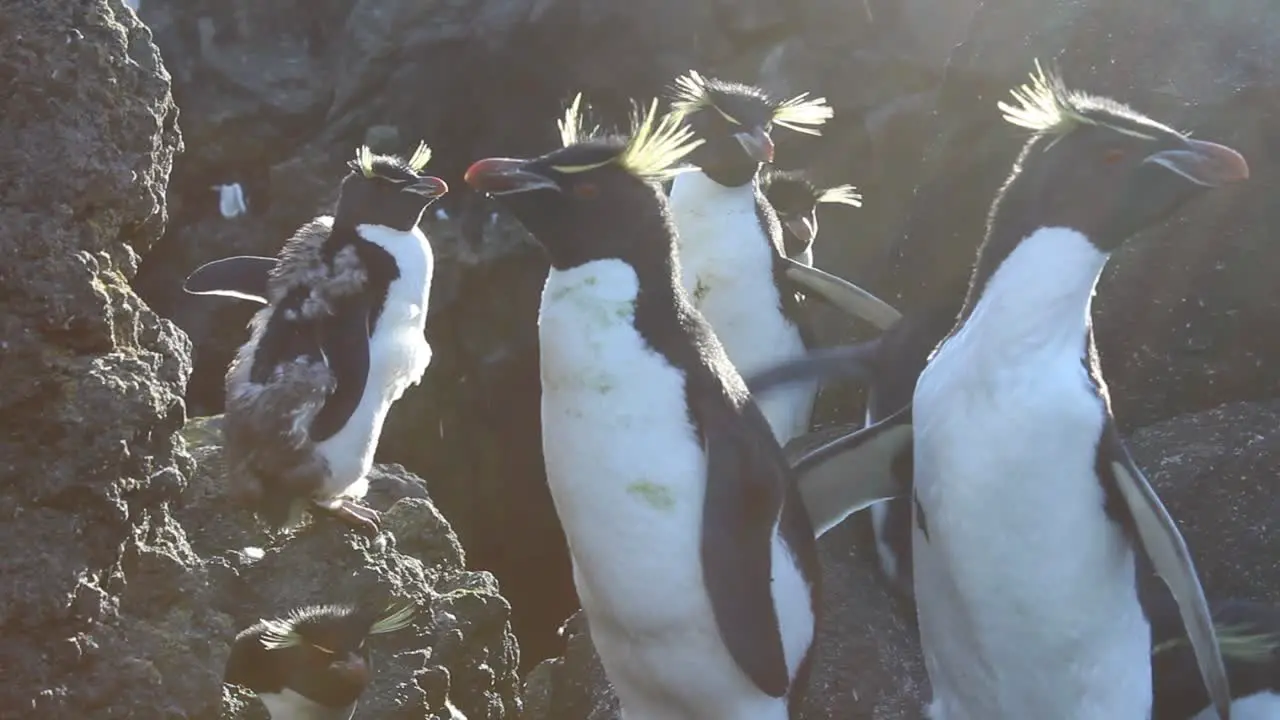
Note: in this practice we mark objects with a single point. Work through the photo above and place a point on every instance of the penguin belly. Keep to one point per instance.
(1025, 589)
(628, 476)
(289, 705)
(398, 357)
(727, 271)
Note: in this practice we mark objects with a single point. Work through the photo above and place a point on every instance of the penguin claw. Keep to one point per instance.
(357, 516)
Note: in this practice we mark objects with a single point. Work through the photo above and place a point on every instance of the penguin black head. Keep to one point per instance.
(795, 199)
(572, 200)
(317, 652)
(737, 123)
(1099, 167)
(387, 190)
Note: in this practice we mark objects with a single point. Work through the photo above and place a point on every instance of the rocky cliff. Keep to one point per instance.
(116, 521)
(126, 573)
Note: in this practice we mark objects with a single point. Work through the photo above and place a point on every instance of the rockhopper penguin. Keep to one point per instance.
(733, 263)
(1027, 506)
(340, 339)
(1249, 635)
(312, 664)
(795, 199)
(693, 558)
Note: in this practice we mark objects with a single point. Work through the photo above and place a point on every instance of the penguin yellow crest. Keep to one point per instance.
(280, 633)
(420, 157)
(364, 161)
(1045, 106)
(655, 146)
(690, 93)
(841, 195)
(1236, 642)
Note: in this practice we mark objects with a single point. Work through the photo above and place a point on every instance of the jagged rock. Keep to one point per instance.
(1184, 312)
(92, 379)
(459, 652)
(867, 664)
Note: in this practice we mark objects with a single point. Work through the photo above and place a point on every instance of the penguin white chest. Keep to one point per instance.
(627, 473)
(1025, 588)
(726, 261)
(398, 357)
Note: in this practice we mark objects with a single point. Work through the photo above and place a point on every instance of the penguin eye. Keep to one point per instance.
(1113, 156)
(586, 190)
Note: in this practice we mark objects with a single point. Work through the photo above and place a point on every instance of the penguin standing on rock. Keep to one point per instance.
(1027, 505)
(312, 664)
(339, 340)
(734, 266)
(694, 560)
(795, 199)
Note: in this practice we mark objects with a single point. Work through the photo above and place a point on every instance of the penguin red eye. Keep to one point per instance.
(1113, 156)
(586, 191)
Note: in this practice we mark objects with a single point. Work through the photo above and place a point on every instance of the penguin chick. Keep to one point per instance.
(1249, 635)
(693, 557)
(340, 339)
(312, 664)
(795, 199)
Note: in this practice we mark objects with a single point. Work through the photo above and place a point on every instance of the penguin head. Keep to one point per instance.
(737, 122)
(1101, 168)
(575, 199)
(387, 190)
(795, 199)
(318, 652)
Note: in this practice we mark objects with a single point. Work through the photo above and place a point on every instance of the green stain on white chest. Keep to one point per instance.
(654, 495)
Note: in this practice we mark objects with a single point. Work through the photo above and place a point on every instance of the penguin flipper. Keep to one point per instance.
(1164, 545)
(344, 341)
(746, 486)
(242, 276)
(841, 293)
(841, 476)
(857, 360)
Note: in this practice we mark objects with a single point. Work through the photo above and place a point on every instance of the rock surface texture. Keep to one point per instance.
(459, 652)
(1184, 315)
(124, 578)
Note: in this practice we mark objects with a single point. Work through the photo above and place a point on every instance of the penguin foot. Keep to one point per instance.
(359, 517)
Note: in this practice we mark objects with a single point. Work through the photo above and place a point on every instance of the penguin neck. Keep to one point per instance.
(1038, 297)
(694, 193)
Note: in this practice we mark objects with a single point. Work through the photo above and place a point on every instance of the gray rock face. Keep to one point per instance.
(459, 651)
(91, 379)
(123, 576)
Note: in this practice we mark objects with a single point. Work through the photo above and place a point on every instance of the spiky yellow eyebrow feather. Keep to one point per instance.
(841, 194)
(421, 156)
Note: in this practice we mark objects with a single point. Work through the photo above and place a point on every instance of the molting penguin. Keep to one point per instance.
(1027, 506)
(733, 263)
(312, 664)
(1249, 635)
(693, 558)
(339, 341)
(795, 199)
